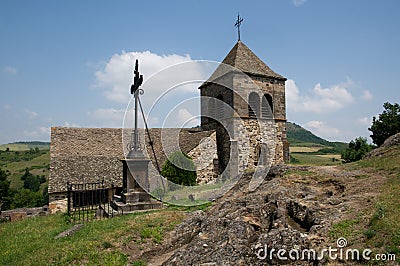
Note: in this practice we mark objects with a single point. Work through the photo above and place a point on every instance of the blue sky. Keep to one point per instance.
(68, 63)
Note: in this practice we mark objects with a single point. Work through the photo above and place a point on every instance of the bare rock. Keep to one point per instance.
(70, 231)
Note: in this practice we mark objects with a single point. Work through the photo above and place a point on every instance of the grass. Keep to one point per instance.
(313, 159)
(306, 144)
(23, 146)
(384, 226)
(345, 228)
(32, 241)
(381, 231)
(200, 193)
(304, 149)
(330, 156)
(389, 162)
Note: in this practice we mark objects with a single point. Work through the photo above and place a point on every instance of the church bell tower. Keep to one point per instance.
(244, 102)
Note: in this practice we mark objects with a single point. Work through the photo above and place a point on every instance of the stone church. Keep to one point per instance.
(243, 114)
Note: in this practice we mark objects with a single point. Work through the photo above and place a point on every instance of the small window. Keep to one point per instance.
(267, 106)
(211, 108)
(219, 107)
(254, 105)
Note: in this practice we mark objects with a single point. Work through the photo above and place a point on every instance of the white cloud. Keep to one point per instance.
(321, 129)
(68, 124)
(10, 70)
(298, 3)
(186, 119)
(367, 95)
(6, 107)
(108, 114)
(319, 100)
(365, 121)
(116, 76)
(31, 114)
(111, 117)
(40, 133)
(168, 80)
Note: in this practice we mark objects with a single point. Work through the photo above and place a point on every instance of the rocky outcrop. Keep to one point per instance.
(285, 212)
(392, 141)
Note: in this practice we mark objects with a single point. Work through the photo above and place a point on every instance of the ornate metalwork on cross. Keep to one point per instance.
(135, 90)
(239, 21)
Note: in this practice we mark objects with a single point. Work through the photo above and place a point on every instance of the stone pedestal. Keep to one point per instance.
(135, 182)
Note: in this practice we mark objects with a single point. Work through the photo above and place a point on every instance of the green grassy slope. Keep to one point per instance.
(298, 136)
(382, 231)
(309, 149)
(103, 242)
(15, 163)
(25, 145)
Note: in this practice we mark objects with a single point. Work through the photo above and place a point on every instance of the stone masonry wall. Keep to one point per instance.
(203, 156)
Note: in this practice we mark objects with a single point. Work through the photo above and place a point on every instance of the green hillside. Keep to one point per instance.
(300, 137)
(25, 145)
(16, 164)
(309, 149)
(27, 174)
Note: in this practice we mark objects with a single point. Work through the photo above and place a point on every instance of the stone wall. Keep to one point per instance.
(204, 156)
(253, 137)
(22, 213)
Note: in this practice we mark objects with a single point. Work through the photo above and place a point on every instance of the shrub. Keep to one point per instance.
(25, 198)
(32, 182)
(180, 169)
(5, 191)
(387, 124)
(356, 150)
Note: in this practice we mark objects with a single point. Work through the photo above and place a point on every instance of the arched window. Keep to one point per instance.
(219, 107)
(211, 108)
(267, 106)
(254, 105)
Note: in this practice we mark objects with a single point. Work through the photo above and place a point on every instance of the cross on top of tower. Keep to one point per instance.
(237, 25)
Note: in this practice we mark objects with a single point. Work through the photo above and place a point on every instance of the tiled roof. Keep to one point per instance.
(242, 58)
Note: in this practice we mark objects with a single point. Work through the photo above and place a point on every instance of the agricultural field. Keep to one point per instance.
(314, 155)
(39, 165)
(309, 149)
(25, 146)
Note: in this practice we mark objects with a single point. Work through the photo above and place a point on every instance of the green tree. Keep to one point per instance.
(45, 195)
(24, 198)
(180, 169)
(387, 124)
(5, 192)
(356, 150)
(32, 182)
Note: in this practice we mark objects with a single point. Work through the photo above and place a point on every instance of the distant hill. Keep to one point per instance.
(298, 136)
(25, 145)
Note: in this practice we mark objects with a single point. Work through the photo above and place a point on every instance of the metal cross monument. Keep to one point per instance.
(137, 82)
(237, 25)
